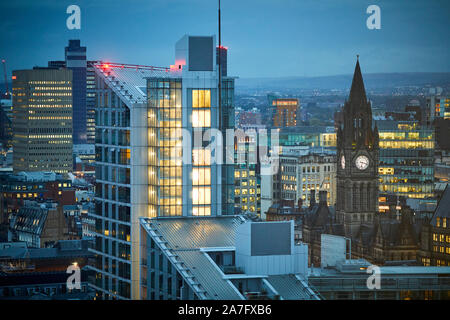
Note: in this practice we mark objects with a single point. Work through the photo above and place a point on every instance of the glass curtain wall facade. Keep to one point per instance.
(164, 147)
(112, 196)
(177, 188)
(406, 165)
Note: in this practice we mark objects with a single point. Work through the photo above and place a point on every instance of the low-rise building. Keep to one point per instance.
(39, 224)
(224, 257)
(301, 170)
(435, 236)
(17, 188)
(348, 280)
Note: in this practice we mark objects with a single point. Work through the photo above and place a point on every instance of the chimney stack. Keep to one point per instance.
(300, 203)
(322, 197)
(312, 200)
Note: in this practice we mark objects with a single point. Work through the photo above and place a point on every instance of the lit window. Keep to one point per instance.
(201, 211)
(201, 118)
(201, 195)
(201, 176)
(201, 99)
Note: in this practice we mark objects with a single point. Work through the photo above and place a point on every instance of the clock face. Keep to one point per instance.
(362, 162)
(343, 162)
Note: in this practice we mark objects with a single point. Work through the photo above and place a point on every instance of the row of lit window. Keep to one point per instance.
(248, 200)
(441, 238)
(312, 178)
(43, 94)
(47, 100)
(50, 118)
(441, 249)
(49, 82)
(50, 106)
(245, 191)
(244, 173)
(44, 145)
(288, 178)
(407, 144)
(49, 136)
(408, 188)
(52, 88)
(403, 135)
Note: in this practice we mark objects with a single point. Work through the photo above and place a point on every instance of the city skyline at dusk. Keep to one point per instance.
(225, 155)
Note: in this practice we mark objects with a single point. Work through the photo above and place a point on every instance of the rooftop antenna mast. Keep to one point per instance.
(6, 77)
(219, 55)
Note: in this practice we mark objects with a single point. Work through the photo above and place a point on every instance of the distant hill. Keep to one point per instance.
(342, 82)
(371, 80)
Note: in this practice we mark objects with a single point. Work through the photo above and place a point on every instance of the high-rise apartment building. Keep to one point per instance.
(285, 111)
(75, 56)
(42, 120)
(149, 160)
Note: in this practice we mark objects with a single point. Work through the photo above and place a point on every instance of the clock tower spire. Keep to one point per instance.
(357, 156)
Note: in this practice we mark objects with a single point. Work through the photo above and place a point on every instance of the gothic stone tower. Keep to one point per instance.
(357, 156)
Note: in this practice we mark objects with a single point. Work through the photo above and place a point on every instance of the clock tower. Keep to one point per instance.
(357, 156)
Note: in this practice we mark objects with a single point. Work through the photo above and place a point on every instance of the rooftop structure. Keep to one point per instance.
(348, 281)
(222, 258)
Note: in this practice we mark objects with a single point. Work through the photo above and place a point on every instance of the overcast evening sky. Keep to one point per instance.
(266, 38)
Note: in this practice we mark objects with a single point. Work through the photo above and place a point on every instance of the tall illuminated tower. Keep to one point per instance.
(149, 163)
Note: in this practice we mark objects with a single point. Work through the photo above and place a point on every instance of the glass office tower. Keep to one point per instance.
(406, 159)
(42, 120)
